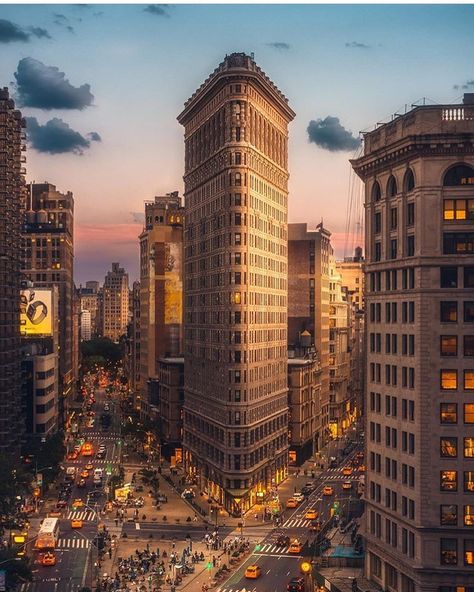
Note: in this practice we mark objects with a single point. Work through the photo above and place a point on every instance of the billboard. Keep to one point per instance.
(173, 284)
(36, 313)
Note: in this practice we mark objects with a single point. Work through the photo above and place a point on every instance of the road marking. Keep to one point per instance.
(137, 525)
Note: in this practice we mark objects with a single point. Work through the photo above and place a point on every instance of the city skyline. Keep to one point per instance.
(317, 53)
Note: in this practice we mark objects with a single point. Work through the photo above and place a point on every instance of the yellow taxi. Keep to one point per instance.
(347, 485)
(328, 490)
(78, 503)
(292, 503)
(253, 572)
(362, 468)
(48, 559)
(84, 474)
(89, 467)
(311, 514)
(295, 547)
(76, 523)
(347, 471)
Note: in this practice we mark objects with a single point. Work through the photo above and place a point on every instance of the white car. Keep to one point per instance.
(299, 497)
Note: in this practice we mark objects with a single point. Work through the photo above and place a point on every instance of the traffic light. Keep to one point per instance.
(209, 565)
(258, 546)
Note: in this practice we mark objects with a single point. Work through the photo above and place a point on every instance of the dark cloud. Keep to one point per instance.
(464, 86)
(60, 17)
(158, 9)
(70, 29)
(39, 32)
(46, 87)
(138, 217)
(94, 137)
(357, 45)
(280, 45)
(331, 135)
(55, 137)
(10, 32)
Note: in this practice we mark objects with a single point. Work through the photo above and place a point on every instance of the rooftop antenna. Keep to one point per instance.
(252, 55)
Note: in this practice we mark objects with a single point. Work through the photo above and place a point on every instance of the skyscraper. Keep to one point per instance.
(236, 189)
(49, 258)
(419, 179)
(12, 203)
(115, 303)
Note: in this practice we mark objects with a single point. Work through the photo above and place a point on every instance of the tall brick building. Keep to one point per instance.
(236, 189)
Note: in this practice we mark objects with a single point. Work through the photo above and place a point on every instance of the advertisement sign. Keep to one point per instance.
(36, 313)
(173, 284)
(121, 494)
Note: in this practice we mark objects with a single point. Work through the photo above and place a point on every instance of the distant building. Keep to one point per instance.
(90, 301)
(12, 205)
(135, 348)
(236, 183)
(170, 404)
(86, 325)
(49, 256)
(418, 171)
(161, 293)
(115, 303)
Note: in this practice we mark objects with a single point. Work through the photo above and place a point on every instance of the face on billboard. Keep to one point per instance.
(36, 315)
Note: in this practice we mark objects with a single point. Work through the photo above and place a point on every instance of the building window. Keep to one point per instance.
(468, 515)
(448, 515)
(468, 447)
(448, 447)
(459, 174)
(449, 312)
(391, 187)
(458, 243)
(469, 311)
(376, 193)
(449, 551)
(449, 380)
(469, 413)
(468, 380)
(410, 245)
(468, 554)
(469, 345)
(449, 413)
(449, 481)
(448, 277)
(393, 248)
(410, 214)
(393, 218)
(469, 481)
(377, 222)
(458, 209)
(237, 238)
(408, 181)
(378, 252)
(448, 345)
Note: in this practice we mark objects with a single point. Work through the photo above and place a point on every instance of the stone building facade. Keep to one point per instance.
(419, 194)
(236, 189)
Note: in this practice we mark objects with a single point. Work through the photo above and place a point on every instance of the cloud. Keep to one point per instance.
(357, 45)
(138, 217)
(464, 86)
(45, 87)
(60, 17)
(10, 32)
(280, 45)
(70, 29)
(331, 135)
(99, 13)
(158, 9)
(56, 137)
(94, 137)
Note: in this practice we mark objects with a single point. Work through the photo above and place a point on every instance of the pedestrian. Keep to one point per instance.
(110, 552)
(116, 521)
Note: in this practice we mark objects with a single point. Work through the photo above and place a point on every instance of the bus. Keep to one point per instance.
(48, 534)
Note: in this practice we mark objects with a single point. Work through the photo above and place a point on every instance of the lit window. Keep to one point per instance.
(449, 481)
(469, 481)
(449, 380)
(237, 298)
(449, 412)
(448, 345)
(469, 447)
(449, 515)
(448, 447)
(468, 515)
(468, 380)
(449, 551)
(469, 413)
(468, 553)
(449, 312)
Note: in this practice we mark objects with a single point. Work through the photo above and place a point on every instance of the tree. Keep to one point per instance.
(103, 348)
(15, 481)
(47, 454)
(17, 570)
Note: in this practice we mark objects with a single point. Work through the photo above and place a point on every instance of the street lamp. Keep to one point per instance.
(307, 570)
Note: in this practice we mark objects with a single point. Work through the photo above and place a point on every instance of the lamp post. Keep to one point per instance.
(39, 484)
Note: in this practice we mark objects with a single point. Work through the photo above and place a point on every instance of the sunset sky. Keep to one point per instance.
(101, 86)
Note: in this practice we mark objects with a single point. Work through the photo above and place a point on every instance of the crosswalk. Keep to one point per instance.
(103, 436)
(96, 462)
(272, 549)
(85, 516)
(73, 543)
(338, 473)
(246, 589)
(297, 523)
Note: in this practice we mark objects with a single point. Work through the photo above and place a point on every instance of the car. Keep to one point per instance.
(292, 503)
(283, 541)
(295, 547)
(76, 524)
(315, 526)
(310, 485)
(61, 503)
(347, 471)
(72, 455)
(84, 473)
(188, 494)
(300, 497)
(362, 468)
(347, 485)
(81, 483)
(328, 490)
(77, 503)
(89, 467)
(295, 585)
(360, 455)
(311, 514)
(48, 559)
(253, 572)
(54, 514)
(333, 463)
(100, 454)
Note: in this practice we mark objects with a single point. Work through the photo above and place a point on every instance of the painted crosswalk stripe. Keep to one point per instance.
(73, 543)
(81, 515)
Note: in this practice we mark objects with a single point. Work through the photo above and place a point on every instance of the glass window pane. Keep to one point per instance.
(448, 447)
(449, 481)
(449, 380)
(449, 515)
(469, 413)
(468, 380)
(449, 412)
(468, 515)
(469, 447)
(469, 481)
(449, 345)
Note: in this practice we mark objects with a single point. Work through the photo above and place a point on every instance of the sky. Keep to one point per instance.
(101, 87)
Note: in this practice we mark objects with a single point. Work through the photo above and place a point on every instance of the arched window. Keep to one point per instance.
(391, 187)
(376, 193)
(459, 174)
(409, 181)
